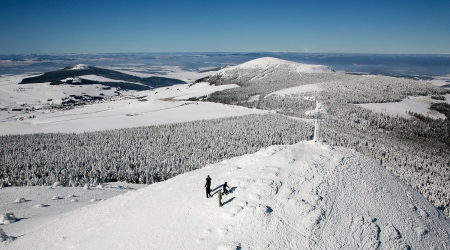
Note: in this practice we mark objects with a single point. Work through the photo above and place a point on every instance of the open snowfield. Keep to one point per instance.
(42, 204)
(304, 196)
(297, 90)
(441, 81)
(155, 107)
(419, 104)
(99, 78)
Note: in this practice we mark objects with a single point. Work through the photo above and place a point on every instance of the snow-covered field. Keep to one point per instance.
(419, 104)
(155, 107)
(42, 204)
(441, 81)
(297, 90)
(304, 196)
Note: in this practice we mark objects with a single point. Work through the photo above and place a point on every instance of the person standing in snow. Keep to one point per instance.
(220, 198)
(208, 187)
(225, 190)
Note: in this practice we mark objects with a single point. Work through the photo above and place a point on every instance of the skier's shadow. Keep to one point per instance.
(230, 200)
(229, 191)
(215, 189)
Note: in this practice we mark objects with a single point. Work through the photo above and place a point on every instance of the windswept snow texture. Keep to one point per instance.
(303, 196)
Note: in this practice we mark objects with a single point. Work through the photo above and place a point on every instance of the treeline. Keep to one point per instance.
(443, 108)
(139, 155)
(415, 148)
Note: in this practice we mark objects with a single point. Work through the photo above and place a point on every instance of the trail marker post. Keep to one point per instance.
(318, 114)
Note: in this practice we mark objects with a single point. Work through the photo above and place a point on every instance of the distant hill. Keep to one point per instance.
(264, 69)
(72, 75)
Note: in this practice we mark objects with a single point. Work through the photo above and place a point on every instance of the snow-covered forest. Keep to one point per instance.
(415, 148)
(140, 155)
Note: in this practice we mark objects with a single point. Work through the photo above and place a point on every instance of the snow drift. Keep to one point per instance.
(7, 218)
(303, 196)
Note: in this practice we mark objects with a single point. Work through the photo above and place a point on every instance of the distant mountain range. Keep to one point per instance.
(73, 75)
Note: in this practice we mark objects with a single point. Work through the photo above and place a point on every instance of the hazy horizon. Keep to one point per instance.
(386, 64)
(384, 27)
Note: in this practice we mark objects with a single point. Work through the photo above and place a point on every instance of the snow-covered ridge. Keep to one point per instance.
(271, 62)
(78, 66)
(302, 196)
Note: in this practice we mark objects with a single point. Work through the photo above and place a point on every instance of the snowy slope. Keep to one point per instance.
(303, 196)
(271, 62)
(265, 69)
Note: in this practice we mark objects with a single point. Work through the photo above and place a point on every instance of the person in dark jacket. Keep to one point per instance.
(208, 187)
(225, 190)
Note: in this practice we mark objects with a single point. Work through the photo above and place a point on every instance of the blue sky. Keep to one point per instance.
(78, 26)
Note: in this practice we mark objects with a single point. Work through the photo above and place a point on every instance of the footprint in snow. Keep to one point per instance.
(228, 215)
(254, 197)
(236, 209)
(206, 232)
(223, 231)
(391, 238)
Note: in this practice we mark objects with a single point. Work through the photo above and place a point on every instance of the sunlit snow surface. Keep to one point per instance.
(263, 67)
(40, 206)
(420, 104)
(303, 196)
(297, 90)
(78, 66)
(269, 62)
(158, 106)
